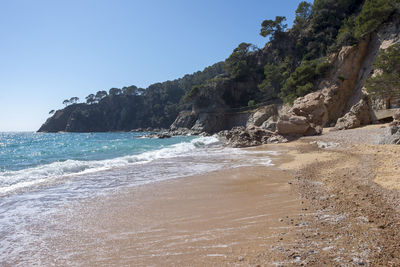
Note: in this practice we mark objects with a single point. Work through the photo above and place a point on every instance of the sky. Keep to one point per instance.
(54, 50)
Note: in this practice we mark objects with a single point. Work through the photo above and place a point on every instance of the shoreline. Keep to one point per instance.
(223, 217)
(327, 200)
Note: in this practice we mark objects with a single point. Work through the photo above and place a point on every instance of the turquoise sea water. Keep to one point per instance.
(29, 159)
(43, 174)
(26, 150)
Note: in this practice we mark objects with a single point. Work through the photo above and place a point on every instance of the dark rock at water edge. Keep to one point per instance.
(177, 132)
(247, 137)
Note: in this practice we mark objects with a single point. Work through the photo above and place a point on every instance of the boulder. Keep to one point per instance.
(312, 107)
(292, 125)
(276, 139)
(261, 115)
(269, 124)
(392, 136)
(358, 115)
(159, 135)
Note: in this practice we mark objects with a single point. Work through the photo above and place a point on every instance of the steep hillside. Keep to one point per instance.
(130, 107)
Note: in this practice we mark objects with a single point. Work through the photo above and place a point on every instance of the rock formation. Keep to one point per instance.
(261, 115)
(392, 135)
(185, 119)
(252, 136)
(359, 114)
(340, 99)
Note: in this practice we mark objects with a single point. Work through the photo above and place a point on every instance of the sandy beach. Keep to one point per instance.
(328, 200)
(223, 218)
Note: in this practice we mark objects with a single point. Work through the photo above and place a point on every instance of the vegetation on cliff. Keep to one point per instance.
(386, 82)
(292, 62)
(130, 107)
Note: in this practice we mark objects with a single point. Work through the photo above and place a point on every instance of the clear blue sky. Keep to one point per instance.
(53, 50)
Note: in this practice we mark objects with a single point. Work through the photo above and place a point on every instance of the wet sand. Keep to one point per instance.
(225, 218)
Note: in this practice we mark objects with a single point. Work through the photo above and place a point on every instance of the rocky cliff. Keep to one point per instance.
(117, 113)
(341, 100)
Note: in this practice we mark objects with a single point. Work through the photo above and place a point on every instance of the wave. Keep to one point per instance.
(16, 180)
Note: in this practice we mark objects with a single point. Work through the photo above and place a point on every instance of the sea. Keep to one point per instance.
(43, 173)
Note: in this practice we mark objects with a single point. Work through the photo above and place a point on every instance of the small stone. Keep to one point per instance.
(241, 259)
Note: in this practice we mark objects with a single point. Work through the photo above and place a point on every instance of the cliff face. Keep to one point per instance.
(327, 105)
(341, 100)
(58, 122)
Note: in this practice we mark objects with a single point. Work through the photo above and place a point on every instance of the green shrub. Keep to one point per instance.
(303, 80)
(251, 103)
(236, 64)
(373, 14)
(190, 95)
(387, 82)
(275, 75)
(346, 35)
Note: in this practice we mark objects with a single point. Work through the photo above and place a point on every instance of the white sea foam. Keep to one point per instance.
(202, 154)
(15, 180)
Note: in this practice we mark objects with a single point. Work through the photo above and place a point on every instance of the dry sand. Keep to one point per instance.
(353, 195)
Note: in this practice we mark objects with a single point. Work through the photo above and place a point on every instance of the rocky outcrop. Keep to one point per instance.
(252, 136)
(116, 113)
(261, 115)
(209, 122)
(312, 107)
(213, 121)
(185, 119)
(167, 133)
(326, 105)
(58, 122)
(340, 97)
(270, 124)
(296, 125)
(359, 114)
(160, 135)
(392, 135)
(292, 125)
